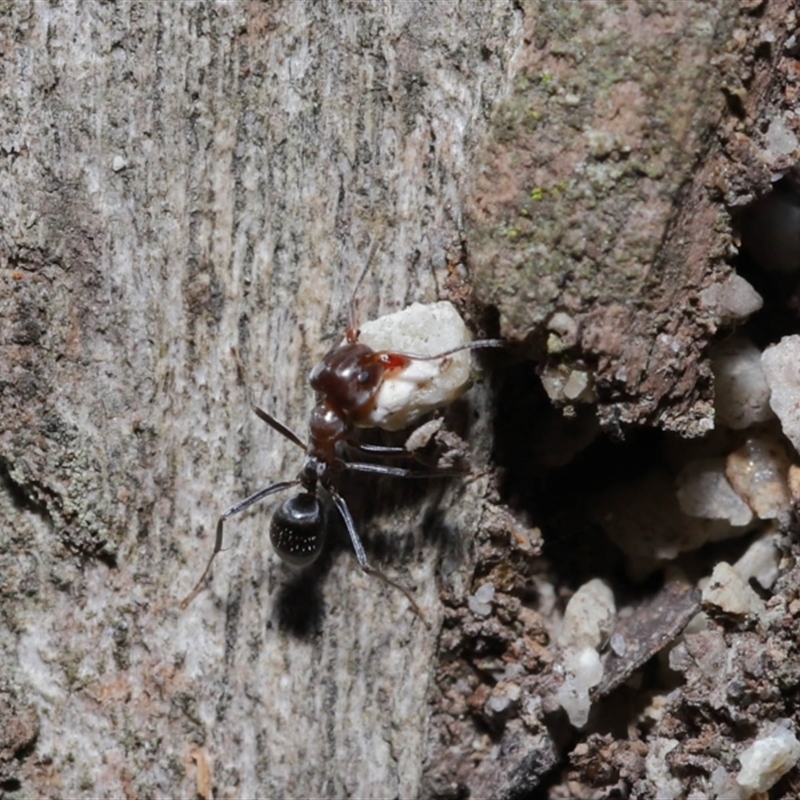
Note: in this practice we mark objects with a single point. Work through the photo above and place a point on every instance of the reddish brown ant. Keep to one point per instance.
(346, 382)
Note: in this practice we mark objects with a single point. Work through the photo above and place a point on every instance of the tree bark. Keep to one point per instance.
(181, 179)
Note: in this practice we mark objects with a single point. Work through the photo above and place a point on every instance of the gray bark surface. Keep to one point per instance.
(178, 179)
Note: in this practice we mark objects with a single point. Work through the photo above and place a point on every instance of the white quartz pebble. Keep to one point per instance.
(423, 385)
(768, 759)
(704, 491)
(741, 393)
(758, 471)
(728, 592)
(761, 561)
(734, 299)
(589, 616)
(588, 621)
(781, 364)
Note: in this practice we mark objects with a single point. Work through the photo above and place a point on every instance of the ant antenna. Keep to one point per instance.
(352, 322)
(478, 344)
(242, 376)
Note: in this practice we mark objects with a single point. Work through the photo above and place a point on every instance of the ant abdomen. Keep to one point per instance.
(297, 530)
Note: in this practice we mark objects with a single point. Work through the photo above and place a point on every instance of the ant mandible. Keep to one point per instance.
(347, 382)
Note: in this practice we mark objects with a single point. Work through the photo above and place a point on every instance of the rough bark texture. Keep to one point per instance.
(181, 178)
(592, 198)
(178, 179)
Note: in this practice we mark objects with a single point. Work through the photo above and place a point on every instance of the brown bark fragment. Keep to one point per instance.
(600, 191)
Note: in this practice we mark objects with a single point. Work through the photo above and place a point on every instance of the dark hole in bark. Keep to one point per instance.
(770, 259)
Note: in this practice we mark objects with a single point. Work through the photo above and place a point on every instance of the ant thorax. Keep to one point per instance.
(411, 387)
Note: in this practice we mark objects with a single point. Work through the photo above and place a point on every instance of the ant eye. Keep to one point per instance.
(363, 376)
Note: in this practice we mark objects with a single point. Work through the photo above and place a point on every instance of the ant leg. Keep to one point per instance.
(361, 556)
(268, 418)
(398, 452)
(378, 449)
(280, 427)
(234, 509)
(395, 472)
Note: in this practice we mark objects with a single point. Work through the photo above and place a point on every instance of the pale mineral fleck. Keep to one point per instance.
(733, 299)
(667, 787)
(728, 592)
(781, 364)
(588, 621)
(584, 670)
(420, 436)
(578, 386)
(724, 787)
(793, 481)
(504, 696)
(553, 379)
(758, 471)
(423, 386)
(704, 491)
(478, 608)
(761, 561)
(589, 616)
(563, 330)
(485, 593)
(780, 139)
(741, 393)
(768, 759)
(480, 603)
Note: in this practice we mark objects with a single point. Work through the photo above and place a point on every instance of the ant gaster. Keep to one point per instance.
(346, 382)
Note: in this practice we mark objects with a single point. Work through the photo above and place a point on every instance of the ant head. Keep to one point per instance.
(348, 377)
(297, 530)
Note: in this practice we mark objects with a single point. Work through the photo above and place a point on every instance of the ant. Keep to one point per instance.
(347, 382)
